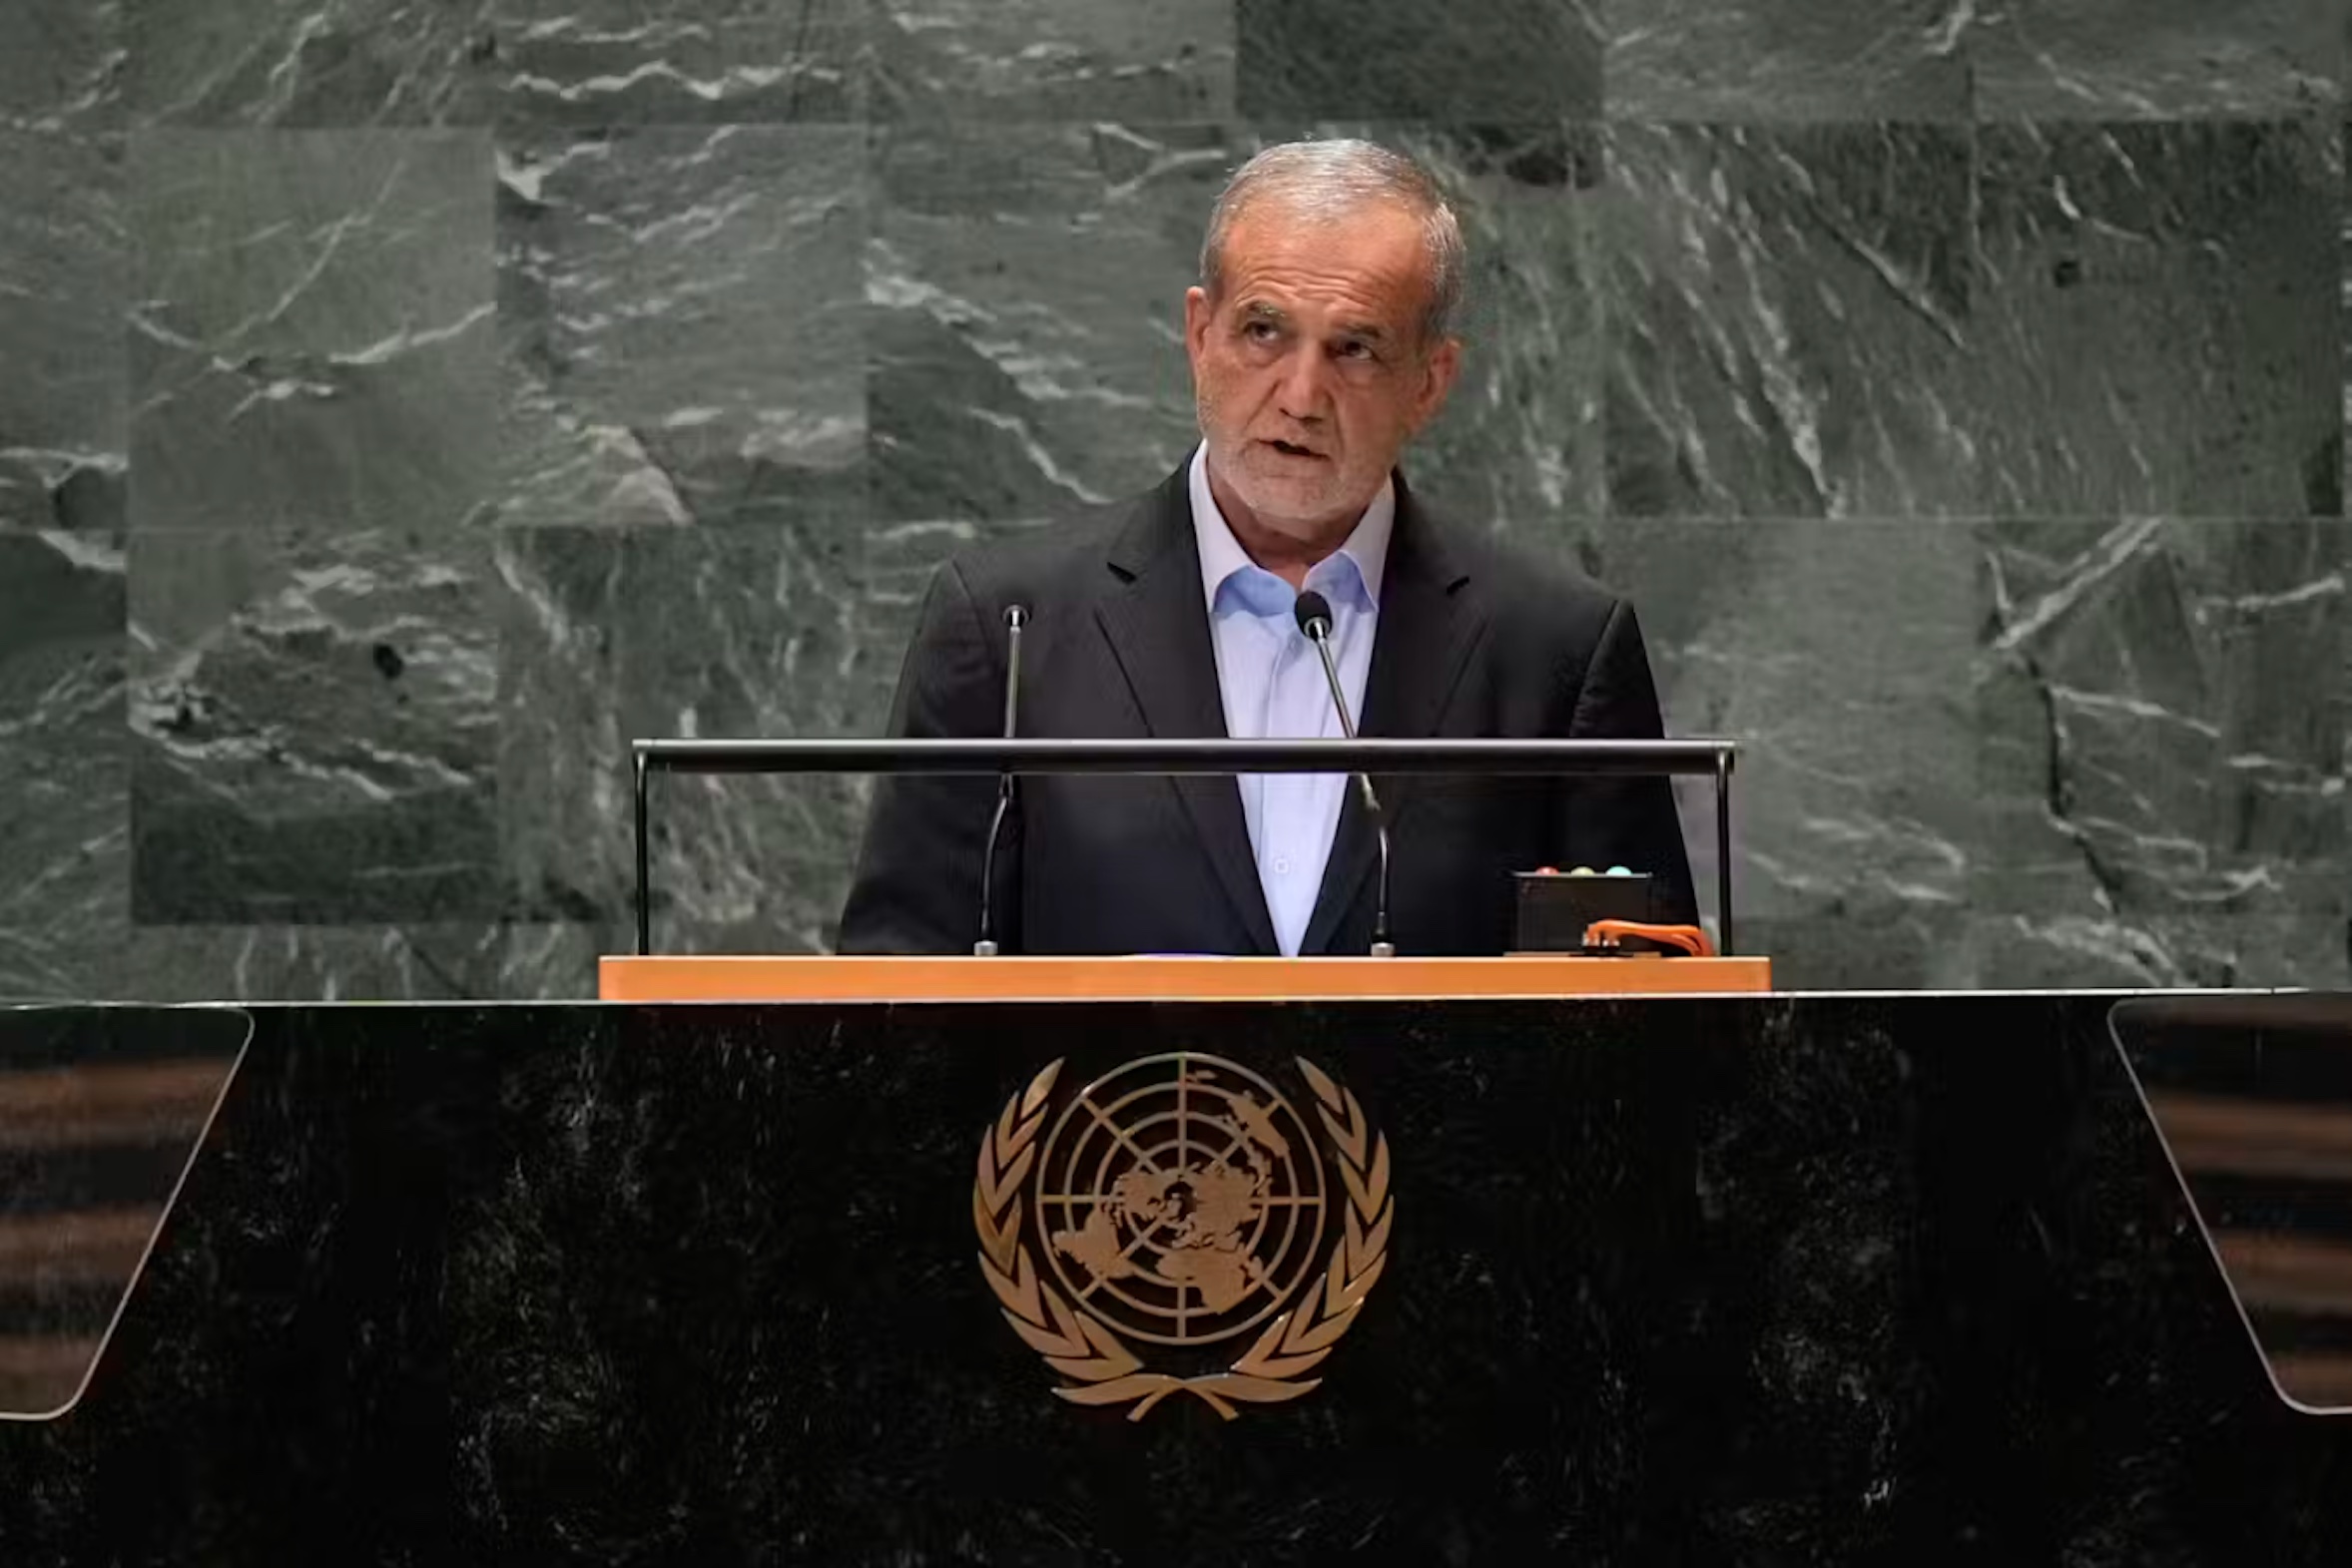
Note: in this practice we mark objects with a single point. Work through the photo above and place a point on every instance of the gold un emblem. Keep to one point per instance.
(1178, 1202)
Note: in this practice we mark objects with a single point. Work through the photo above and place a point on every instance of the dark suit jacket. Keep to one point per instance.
(1470, 643)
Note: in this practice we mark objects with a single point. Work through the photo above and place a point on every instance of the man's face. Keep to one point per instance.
(1310, 371)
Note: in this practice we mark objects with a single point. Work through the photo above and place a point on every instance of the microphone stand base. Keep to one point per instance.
(1384, 949)
(983, 948)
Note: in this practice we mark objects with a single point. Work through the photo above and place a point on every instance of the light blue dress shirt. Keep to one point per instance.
(1274, 688)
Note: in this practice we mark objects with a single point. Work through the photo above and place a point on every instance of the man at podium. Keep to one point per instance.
(1321, 340)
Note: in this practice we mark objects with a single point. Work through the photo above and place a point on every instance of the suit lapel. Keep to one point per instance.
(1430, 621)
(1159, 629)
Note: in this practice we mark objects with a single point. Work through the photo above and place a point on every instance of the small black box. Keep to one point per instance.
(1555, 908)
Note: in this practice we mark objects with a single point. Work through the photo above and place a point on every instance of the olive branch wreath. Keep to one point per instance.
(1103, 1371)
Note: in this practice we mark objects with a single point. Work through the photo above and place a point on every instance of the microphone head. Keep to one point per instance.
(1016, 616)
(1313, 613)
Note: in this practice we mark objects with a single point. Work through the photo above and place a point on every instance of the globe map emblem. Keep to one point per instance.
(1180, 1199)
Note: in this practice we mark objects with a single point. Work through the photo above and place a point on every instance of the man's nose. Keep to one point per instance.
(1304, 395)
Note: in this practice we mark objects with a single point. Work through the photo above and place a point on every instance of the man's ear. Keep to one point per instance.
(1439, 366)
(1199, 315)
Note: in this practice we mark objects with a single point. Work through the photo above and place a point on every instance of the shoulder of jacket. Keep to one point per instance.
(1536, 595)
(1044, 561)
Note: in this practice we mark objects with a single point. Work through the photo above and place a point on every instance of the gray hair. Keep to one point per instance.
(1327, 180)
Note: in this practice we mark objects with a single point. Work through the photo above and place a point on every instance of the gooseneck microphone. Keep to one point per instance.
(1015, 617)
(1313, 613)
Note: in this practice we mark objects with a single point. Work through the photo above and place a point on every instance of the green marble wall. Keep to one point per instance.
(406, 404)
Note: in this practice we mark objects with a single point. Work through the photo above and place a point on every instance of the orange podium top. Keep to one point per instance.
(814, 978)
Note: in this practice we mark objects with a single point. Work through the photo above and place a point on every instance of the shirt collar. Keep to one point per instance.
(1366, 547)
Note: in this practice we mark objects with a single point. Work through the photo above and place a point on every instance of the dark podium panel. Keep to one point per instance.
(1760, 1281)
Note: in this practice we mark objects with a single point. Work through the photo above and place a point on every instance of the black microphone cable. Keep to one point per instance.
(1015, 618)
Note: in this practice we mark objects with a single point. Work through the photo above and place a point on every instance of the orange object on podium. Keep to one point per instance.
(818, 978)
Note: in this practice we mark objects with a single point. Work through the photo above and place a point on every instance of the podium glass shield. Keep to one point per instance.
(102, 1111)
(2253, 1097)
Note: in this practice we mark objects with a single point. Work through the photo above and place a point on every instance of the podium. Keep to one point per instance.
(1148, 978)
(1822, 1279)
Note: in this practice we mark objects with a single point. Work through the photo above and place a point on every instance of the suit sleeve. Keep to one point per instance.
(918, 883)
(1625, 821)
